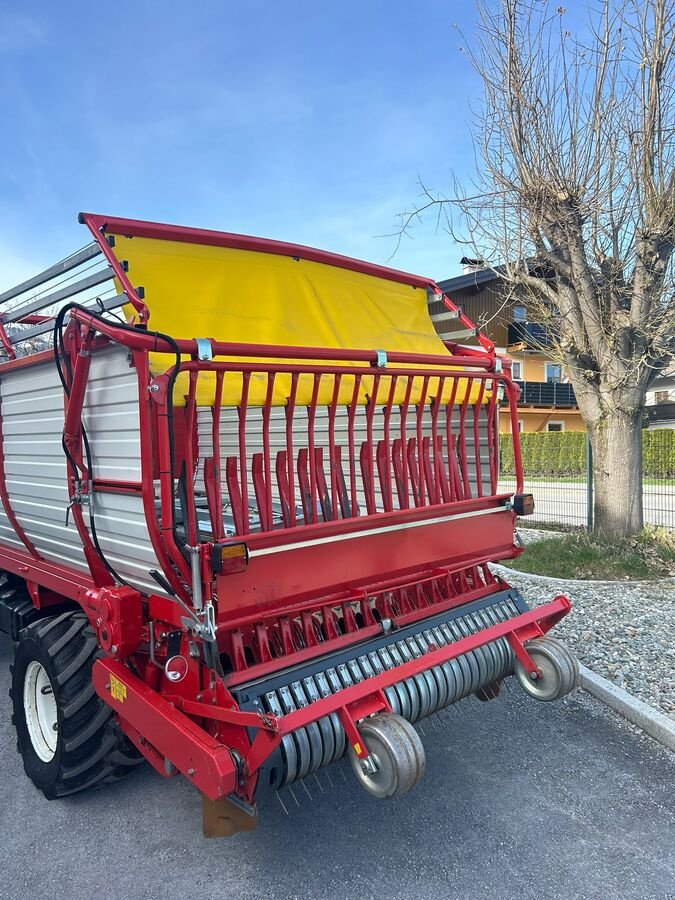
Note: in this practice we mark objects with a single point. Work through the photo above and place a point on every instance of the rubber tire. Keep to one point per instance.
(91, 749)
(14, 595)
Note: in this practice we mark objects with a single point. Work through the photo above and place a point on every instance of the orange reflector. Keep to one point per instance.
(228, 559)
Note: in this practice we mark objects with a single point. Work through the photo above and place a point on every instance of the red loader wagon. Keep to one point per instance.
(249, 502)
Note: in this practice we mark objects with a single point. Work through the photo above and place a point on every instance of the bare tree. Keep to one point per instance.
(575, 196)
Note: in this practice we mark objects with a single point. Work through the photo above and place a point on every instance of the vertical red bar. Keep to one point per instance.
(429, 477)
(311, 418)
(368, 449)
(322, 488)
(290, 412)
(461, 450)
(437, 447)
(421, 408)
(282, 484)
(477, 407)
(156, 419)
(267, 460)
(366, 460)
(191, 424)
(352, 446)
(304, 486)
(404, 441)
(233, 489)
(397, 454)
(385, 468)
(513, 393)
(450, 439)
(492, 433)
(456, 483)
(332, 456)
(259, 488)
(215, 439)
(441, 473)
(243, 462)
(412, 456)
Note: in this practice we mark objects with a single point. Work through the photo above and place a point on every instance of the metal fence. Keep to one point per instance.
(563, 491)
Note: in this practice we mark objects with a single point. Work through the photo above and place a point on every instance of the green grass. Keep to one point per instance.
(650, 554)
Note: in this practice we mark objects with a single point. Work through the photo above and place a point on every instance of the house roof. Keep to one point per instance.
(491, 273)
(471, 279)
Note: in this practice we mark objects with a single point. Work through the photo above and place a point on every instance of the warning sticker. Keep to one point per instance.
(118, 690)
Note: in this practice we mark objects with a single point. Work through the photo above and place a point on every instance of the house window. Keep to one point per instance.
(521, 427)
(660, 396)
(555, 426)
(553, 373)
(519, 314)
(516, 370)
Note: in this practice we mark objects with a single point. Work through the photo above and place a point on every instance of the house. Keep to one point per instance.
(547, 401)
(660, 408)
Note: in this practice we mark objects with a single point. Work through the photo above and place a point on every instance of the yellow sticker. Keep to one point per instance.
(118, 690)
(357, 748)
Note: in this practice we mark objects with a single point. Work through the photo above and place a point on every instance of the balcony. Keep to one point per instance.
(547, 393)
(534, 336)
(662, 412)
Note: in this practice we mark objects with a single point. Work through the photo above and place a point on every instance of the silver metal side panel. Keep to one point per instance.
(35, 466)
(111, 418)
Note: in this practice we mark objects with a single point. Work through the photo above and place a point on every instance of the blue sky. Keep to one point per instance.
(303, 121)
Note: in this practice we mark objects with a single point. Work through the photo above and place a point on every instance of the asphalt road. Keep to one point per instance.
(520, 800)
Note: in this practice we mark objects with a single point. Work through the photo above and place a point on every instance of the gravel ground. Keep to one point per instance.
(624, 631)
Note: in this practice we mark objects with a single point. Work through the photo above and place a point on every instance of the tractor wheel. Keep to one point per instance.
(66, 734)
(558, 666)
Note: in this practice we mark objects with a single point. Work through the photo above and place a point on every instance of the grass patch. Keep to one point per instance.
(651, 554)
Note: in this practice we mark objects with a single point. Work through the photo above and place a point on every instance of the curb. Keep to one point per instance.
(655, 723)
(506, 572)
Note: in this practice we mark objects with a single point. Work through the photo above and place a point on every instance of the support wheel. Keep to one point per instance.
(558, 666)
(396, 760)
(66, 734)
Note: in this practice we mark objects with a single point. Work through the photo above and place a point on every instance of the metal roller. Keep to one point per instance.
(300, 736)
(324, 741)
(324, 725)
(312, 730)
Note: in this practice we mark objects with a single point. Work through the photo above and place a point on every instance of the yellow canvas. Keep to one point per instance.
(244, 296)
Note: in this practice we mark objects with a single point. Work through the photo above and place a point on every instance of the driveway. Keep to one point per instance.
(564, 501)
(520, 800)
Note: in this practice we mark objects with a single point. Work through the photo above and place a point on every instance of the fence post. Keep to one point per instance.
(589, 484)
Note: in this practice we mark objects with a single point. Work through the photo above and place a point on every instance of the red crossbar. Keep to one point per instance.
(545, 617)
(207, 762)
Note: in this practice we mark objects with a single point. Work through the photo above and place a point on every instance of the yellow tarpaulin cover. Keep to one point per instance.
(245, 296)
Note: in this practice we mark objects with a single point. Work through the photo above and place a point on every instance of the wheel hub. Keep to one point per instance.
(395, 760)
(40, 711)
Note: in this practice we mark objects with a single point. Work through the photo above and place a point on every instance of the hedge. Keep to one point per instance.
(563, 453)
(658, 453)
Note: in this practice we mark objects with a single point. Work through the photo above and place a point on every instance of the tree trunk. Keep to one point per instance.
(617, 471)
